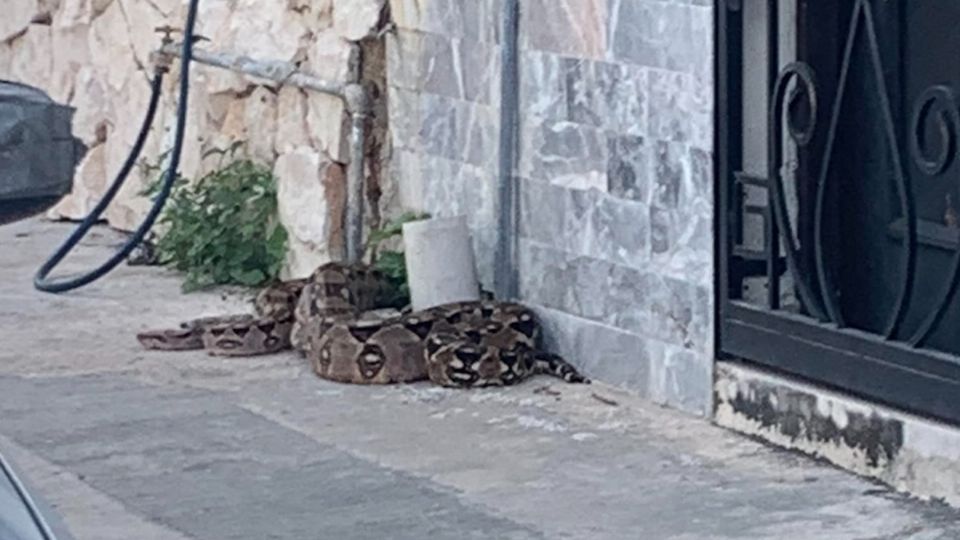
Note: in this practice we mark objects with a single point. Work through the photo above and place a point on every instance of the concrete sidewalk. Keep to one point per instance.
(131, 444)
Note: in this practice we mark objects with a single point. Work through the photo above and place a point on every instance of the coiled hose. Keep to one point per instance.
(41, 280)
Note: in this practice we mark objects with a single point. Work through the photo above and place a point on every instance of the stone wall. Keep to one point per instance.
(95, 55)
(614, 173)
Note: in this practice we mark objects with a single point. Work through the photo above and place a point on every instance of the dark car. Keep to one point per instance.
(38, 152)
(23, 516)
(38, 155)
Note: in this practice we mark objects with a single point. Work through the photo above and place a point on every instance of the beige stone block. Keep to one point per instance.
(234, 123)
(175, 9)
(325, 121)
(89, 182)
(356, 19)
(32, 57)
(111, 46)
(223, 81)
(316, 14)
(16, 17)
(329, 56)
(292, 129)
(218, 106)
(79, 12)
(214, 20)
(199, 127)
(71, 55)
(141, 19)
(93, 103)
(261, 122)
(311, 197)
(266, 30)
(406, 14)
(251, 123)
(46, 9)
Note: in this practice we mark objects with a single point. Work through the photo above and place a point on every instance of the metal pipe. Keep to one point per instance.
(356, 100)
(505, 269)
(272, 70)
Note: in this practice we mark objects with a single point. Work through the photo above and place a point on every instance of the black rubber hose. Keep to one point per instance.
(41, 280)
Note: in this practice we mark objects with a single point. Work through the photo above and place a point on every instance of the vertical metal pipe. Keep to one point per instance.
(355, 96)
(353, 228)
(505, 269)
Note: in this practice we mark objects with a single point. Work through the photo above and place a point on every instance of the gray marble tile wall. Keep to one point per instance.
(443, 85)
(614, 170)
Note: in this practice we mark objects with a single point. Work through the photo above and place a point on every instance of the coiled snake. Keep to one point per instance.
(331, 318)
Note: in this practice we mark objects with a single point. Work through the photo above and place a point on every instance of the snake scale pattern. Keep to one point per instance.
(332, 319)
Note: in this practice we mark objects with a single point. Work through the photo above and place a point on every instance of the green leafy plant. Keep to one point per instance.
(223, 229)
(391, 262)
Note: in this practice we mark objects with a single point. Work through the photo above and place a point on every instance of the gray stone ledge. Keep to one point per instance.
(910, 453)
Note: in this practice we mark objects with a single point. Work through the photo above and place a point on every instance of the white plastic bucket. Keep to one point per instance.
(440, 263)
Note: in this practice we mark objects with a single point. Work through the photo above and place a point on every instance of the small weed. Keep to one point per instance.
(391, 262)
(223, 229)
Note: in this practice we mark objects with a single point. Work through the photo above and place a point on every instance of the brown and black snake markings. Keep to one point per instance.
(330, 318)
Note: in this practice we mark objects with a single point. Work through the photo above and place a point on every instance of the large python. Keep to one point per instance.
(331, 318)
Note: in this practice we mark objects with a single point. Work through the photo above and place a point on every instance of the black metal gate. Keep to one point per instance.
(838, 200)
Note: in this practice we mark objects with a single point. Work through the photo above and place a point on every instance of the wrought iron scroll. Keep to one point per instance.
(806, 85)
(937, 104)
(863, 15)
(937, 99)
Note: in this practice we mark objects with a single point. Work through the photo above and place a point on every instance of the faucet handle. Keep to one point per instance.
(167, 32)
